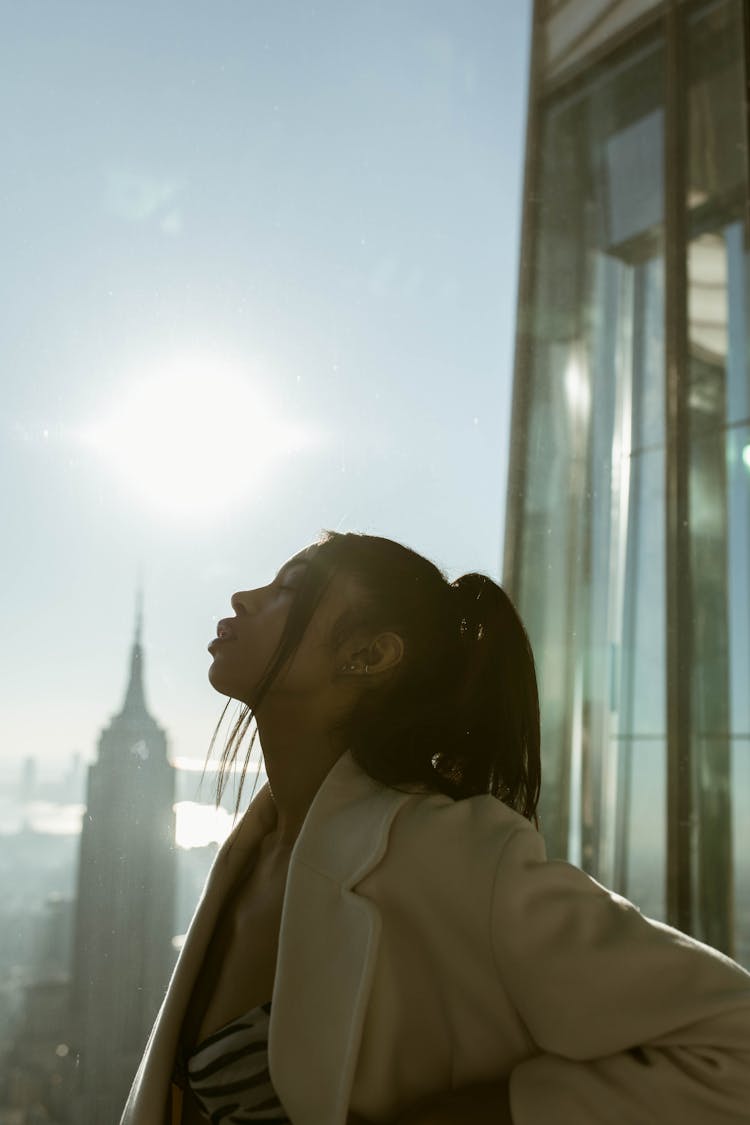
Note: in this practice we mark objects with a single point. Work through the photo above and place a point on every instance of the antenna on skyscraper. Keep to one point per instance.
(139, 606)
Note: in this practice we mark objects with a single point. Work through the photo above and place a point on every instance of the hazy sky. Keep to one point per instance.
(258, 273)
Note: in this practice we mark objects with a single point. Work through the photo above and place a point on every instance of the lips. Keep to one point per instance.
(225, 630)
(224, 633)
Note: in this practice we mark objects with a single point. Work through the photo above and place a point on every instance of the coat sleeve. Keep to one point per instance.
(634, 1022)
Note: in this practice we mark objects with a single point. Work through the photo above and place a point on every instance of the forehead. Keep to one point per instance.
(302, 558)
(343, 587)
(307, 554)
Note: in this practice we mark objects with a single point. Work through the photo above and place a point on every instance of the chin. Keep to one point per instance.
(215, 679)
(219, 683)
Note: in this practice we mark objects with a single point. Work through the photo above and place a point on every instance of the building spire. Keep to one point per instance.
(135, 702)
(139, 610)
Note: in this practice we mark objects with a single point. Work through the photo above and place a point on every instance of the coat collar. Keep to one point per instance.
(326, 955)
(342, 836)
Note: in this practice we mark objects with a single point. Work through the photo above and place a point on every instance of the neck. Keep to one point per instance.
(297, 759)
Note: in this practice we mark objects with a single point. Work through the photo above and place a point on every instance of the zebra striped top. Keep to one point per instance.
(228, 1073)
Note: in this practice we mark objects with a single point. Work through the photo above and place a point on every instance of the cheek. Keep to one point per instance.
(307, 665)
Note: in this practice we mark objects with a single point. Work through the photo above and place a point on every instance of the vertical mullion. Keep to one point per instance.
(522, 389)
(678, 580)
(746, 62)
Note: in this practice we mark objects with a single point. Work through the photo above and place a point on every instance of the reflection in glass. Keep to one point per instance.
(591, 556)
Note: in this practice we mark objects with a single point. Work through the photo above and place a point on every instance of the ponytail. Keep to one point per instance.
(461, 716)
(496, 699)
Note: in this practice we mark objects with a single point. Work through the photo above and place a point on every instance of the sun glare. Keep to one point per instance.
(199, 825)
(194, 439)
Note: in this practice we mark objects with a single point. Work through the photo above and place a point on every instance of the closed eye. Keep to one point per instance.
(291, 585)
(295, 570)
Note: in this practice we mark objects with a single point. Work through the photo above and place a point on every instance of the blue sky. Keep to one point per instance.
(259, 278)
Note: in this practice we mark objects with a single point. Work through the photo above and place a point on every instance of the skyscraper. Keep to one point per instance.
(125, 909)
(628, 527)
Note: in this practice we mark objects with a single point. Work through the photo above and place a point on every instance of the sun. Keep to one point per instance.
(194, 438)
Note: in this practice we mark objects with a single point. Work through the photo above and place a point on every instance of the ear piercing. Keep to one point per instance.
(353, 668)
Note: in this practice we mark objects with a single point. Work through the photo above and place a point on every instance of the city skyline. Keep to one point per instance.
(55, 805)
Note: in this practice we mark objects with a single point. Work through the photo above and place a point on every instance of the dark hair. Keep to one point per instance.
(460, 715)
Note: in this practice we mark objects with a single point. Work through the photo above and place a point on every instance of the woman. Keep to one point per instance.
(381, 938)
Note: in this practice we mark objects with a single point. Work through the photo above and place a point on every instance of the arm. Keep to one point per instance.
(633, 1020)
(487, 1104)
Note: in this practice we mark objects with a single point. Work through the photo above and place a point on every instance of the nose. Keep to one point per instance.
(246, 601)
(236, 603)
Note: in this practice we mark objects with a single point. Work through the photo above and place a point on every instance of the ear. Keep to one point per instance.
(369, 657)
(385, 653)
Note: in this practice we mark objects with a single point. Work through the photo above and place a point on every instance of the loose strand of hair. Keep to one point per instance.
(230, 751)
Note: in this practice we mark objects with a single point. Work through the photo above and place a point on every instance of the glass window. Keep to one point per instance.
(719, 482)
(576, 29)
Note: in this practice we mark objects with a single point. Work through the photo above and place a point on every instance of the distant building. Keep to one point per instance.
(628, 518)
(71, 786)
(54, 940)
(35, 1074)
(27, 785)
(123, 952)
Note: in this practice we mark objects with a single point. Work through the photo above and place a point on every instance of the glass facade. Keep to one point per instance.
(628, 536)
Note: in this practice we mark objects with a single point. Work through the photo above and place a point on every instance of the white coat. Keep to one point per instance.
(427, 944)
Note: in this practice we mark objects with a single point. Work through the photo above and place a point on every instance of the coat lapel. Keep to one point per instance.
(327, 945)
(147, 1103)
(326, 957)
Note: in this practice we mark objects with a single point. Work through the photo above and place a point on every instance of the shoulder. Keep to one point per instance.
(469, 836)
(472, 820)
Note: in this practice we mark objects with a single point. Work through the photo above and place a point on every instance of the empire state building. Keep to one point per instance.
(123, 951)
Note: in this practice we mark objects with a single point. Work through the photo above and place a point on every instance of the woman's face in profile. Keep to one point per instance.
(255, 631)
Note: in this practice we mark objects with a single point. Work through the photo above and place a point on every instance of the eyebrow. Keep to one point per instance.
(291, 565)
